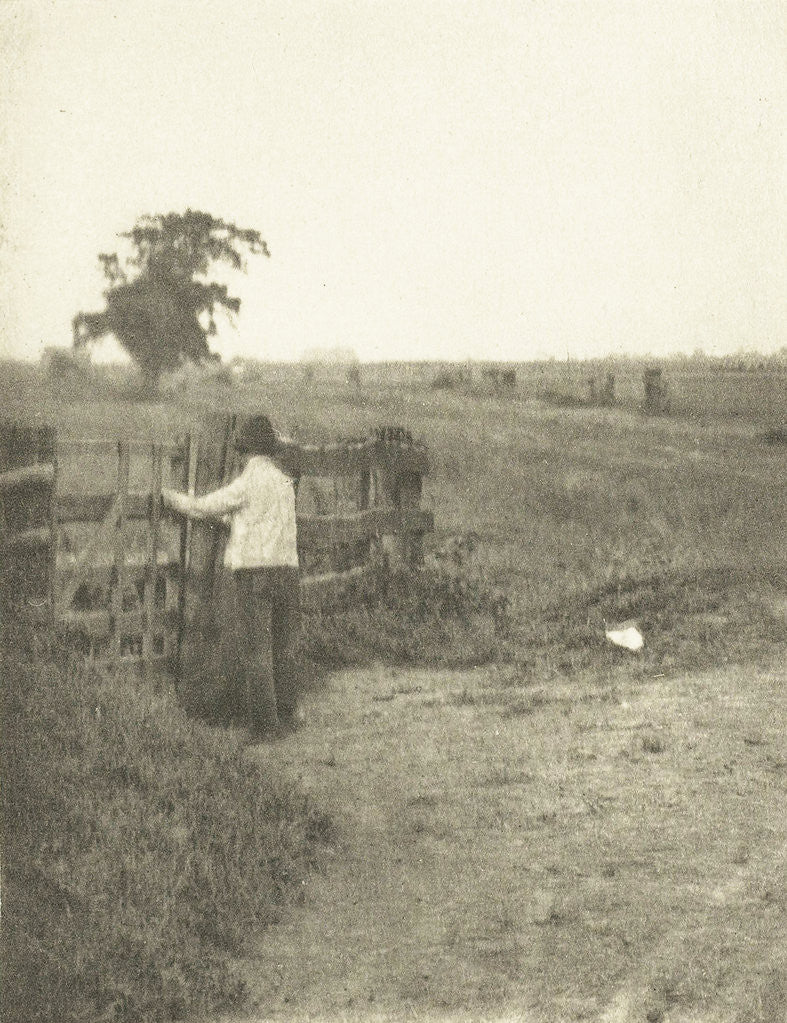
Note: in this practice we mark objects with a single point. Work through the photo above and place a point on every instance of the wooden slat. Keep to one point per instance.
(120, 546)
(405, 459)
(350, 459)
(95, 507)
(100, 446)
(190, 464)
(88, 557)
(48, 451)
(334, 459)
(134, 661)
(105, 559)
(228, 460)
(207, 631)
(99, 623)
(27, 476)
(151, 573)
(325, 531)
(28, 539)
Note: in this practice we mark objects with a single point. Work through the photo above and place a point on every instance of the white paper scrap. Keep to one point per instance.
(627, 636)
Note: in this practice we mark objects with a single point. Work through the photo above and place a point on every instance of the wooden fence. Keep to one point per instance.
(84, 542)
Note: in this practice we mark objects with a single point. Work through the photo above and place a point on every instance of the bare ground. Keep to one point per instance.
(604, 852)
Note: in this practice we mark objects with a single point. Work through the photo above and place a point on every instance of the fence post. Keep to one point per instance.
(151, 571)
(28, 508)
(48, 453)
(119, 568)
(190, 460)
(206, 619)
(410, 498)
(227, 462)
(655, 391)
(401, 489)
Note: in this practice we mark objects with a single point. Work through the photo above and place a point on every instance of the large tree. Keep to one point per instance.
(160, 303)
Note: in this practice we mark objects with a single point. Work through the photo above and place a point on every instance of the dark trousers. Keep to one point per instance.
(268, 609)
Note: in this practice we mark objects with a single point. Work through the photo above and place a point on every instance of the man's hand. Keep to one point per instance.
(168, 501)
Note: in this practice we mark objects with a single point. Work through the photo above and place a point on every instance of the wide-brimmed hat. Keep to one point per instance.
(256, 436)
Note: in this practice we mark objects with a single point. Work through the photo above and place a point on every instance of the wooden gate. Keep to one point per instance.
(98, 561)
(130, 586)
(28, 526)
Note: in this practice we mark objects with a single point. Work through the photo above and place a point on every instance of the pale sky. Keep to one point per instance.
(434, 180)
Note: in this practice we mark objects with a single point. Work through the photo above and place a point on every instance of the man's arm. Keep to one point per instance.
(219, 505)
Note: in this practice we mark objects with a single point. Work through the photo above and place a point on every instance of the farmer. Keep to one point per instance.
(259, 506)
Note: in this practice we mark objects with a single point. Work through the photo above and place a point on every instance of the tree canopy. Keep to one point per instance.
(160, 304)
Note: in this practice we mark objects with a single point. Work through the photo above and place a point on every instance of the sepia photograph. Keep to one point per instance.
(393, 511)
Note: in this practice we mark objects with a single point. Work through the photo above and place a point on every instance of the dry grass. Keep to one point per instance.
(614, 852)
(140, 849)
(574, 832)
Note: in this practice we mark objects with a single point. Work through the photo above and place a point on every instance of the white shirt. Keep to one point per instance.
(260, 504)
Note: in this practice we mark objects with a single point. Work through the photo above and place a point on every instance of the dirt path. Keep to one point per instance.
(543, 854)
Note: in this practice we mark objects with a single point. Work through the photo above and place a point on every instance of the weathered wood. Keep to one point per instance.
(38, 538)
(96, 507)
(325, 531)
(350, 459)
(196, 627)
(102, 623)
(190, 462)
(104, 560)
(48, 451)
(100, 446)
(151, 573)
(27, 476)
(23, 446)
(89, 556)
(399, 487)
(409, 494)
(132, 662)
(227, 464)
(26, 485)
(203, 648)
(119, 569)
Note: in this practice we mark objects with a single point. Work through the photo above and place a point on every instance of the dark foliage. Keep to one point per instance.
(159, 304)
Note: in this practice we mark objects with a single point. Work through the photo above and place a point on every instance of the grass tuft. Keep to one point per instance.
(140, 851)
(441, 615)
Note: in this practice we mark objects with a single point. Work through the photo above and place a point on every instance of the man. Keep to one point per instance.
(262, 555)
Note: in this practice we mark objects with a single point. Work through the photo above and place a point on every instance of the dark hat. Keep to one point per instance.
(256, 436)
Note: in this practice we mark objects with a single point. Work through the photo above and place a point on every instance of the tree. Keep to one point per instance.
(160, 303)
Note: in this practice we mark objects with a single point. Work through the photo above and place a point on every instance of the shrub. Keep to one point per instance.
(140, 848)
(441, 614)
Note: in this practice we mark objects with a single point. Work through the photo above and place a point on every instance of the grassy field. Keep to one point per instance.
(139, 847)
(580, 517)
(577, 514)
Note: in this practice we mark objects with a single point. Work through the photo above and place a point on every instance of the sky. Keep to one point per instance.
(434, 180)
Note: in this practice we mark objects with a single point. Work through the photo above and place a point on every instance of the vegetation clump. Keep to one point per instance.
(140, 849)
(442, 614)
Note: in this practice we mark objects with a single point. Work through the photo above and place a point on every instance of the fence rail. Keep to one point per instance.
(27, 476)
(106, 567)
